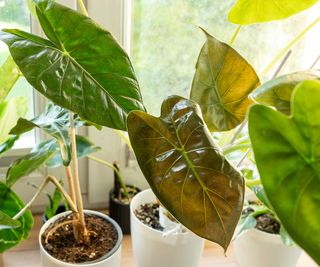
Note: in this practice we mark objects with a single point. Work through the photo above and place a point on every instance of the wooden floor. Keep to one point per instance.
(27, 254)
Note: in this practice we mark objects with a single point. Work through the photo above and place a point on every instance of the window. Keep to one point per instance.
(15, 14)
(166, 42)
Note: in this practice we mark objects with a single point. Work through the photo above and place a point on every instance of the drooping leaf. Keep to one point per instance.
(84, 148)
(7, 145)
(31, 161)
(10, 111)
(54, 203)
(11, 204)
(287, 153)
(6, 222)
(9, 74)
(186, 169)
(81, 67)
(221, 85)
(254, 11)
(277, 92)
(54, 121)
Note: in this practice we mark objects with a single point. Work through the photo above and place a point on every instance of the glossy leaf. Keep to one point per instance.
(81, 67)
(11, 204)
(54, 121)
(10, 111)
(31, 161)
(221, 85)
(84, 148)
(287, 153)
(277, 92)
(9, 74)
(254, 11)
(6, 222)
(7, 145)
(186, 169)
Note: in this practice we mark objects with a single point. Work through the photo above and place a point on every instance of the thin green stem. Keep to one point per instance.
(235, 35)
(108, 164)
(254, 182)
(82, 8)
(233, 148)
(292, 43)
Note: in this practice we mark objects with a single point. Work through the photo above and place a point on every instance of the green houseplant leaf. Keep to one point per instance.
(6, 222)
(9, 74)
(7, 145)
(254, 11)
(11, 204)
(186, 169)
(10, 111)
(287, 153)
(81, 67)
(277, 92)
(221, 85)
(31, 161)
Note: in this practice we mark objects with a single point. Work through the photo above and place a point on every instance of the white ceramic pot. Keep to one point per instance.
(111, 259)
(255, 248)
(152, 249)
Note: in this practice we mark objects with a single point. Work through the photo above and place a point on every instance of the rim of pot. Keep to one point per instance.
(87, 263)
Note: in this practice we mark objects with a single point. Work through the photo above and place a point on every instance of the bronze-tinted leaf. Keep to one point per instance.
(277, 92)
(186, 169)
(221, 85)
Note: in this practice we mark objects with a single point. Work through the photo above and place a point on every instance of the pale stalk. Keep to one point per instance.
(235, 35)
(82, 8)
(121, 180)
(251, 183)
(41, 187)
(243, 157)
(76, 175)
(71, 183)
(292, 43)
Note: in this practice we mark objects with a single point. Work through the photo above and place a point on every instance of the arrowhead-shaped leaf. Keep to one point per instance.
(81, 67)
(11, 204)
(255, 11)
(221, 85)
(9, 74)
(287, 153)
(186, 169)
(10, 112)
(6, 222)
(277, 92)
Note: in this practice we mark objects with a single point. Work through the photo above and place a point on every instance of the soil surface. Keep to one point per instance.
(149, 215)
(62, 245)
(267, 223)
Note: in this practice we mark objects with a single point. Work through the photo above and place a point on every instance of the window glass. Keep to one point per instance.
(15, 14)
(166, 41)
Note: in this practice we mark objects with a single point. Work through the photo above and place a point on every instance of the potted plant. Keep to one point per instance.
(98, 85)
(119, 196)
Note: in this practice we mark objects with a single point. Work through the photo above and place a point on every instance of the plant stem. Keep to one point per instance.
(251, 183)
(41, 187)
(292, 43)
(239, 130)
(235, 147)
(243, 157)
(76, 175)
(71, 184)
(235, 35)
(121, 180)
(82, 7)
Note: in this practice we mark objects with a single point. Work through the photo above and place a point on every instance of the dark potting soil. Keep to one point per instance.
(267, 223)
(149, 215)
(62, 245)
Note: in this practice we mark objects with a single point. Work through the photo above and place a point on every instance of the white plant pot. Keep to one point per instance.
(255, 248)
(111, 259)
(152, 249)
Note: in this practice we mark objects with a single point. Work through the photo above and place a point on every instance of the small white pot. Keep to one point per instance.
(255, 248)
(111, 259)
(152, 249)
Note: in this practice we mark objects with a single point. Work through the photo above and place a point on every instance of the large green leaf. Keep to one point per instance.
(11, 204)
(221, 85)
(55, 121)
(81, 67)
(254, 11)
(7, 145)
(31, 161)
(10, 111)
(6, 222)
(84, 148)
(287, 153)
(9, 74)
(277, 92)
(186, 169)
